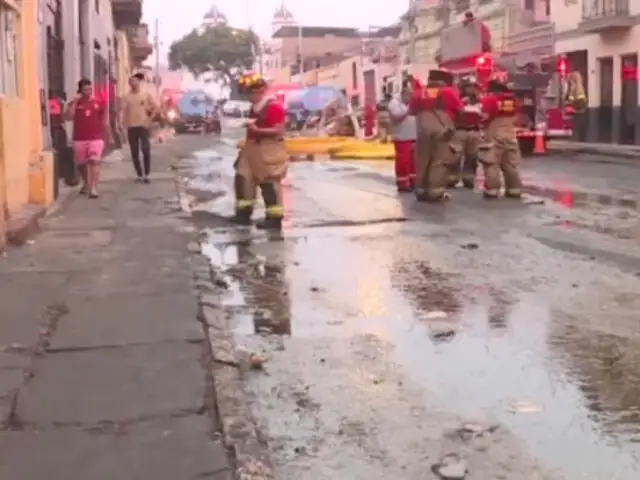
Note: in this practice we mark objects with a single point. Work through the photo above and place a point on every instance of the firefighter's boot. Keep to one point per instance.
(244, 205)
(274, 209)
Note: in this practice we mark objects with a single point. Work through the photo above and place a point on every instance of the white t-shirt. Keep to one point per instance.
(405, 130)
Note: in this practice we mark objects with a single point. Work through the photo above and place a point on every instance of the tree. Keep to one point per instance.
(221, 50)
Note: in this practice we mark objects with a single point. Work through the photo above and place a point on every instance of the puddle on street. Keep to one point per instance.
(383, 351)
(374, 353)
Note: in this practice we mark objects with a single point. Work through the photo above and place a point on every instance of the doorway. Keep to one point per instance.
(63, 162)
(628, 98)
(605, 110)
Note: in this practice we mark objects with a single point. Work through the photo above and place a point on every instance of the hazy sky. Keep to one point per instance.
(177, 17)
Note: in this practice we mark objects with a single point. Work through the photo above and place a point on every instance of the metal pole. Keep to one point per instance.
(300, 52)
(156, 46)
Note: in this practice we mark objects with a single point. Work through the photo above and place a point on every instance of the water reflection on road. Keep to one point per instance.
(382, 338)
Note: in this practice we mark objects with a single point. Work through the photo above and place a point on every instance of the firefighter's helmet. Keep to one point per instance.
(440, 75)
(249, 82)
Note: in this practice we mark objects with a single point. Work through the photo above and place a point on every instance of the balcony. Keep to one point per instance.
(126, 12)
(139, 45)
(605, 15)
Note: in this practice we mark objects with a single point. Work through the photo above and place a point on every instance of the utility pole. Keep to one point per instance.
(411, 20)
(300, 52)
(156, 47)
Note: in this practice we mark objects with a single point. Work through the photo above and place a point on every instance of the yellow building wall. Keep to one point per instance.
(14, 136)
(14, 152)
(27, 173)
(123, 64)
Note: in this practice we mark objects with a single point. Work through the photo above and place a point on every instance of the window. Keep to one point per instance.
(8, 46)
(529, 5)
(96, 5)
(485, 2)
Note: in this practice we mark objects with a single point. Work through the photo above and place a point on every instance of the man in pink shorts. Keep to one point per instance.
(90, 130)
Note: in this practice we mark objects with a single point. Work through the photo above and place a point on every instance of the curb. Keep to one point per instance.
(239, 430)
(22, 226)
(581, 198)
(629, 154)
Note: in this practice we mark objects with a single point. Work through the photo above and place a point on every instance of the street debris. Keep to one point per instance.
(472, 430)
(436, 315)
(470, 246)
(523, 406)
(450, 467)
(257, 361)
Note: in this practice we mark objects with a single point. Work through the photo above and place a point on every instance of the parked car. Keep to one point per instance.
(195, 111)
(236, 109)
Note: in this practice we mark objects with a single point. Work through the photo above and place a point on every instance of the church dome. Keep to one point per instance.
(282, 15)
(214, 17)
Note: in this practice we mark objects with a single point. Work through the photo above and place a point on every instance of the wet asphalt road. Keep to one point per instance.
(388, 326)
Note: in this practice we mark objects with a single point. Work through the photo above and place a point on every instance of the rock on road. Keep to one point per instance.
(396, 334)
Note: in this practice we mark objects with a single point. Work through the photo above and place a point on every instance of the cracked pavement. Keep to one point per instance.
(104, 370)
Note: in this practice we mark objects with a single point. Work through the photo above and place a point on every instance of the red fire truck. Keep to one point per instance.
(538, 81)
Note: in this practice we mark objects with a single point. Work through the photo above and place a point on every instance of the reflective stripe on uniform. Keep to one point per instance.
(275, 211)
(244, 203)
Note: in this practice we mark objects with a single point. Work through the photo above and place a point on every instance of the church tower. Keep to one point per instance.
(282, 17)
(213, 17)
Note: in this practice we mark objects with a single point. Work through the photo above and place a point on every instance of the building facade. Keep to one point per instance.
(432, 33)
(21, 146)
(47, 46)
(601, 40)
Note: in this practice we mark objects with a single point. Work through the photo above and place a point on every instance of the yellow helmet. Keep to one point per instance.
(251, 81)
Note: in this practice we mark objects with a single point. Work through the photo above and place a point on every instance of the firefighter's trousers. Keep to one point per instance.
(500, 157)
(404, 164)
(262, 163)
(468, 140)
(434, 154)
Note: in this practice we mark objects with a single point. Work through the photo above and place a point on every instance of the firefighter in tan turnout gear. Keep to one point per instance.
(468, 133)
(436, 108)
(500, 154)
(263, 160)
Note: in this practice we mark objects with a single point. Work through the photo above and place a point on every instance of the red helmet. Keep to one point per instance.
(251, 81)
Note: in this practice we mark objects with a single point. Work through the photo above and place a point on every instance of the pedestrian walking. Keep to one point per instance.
(90, 132)
(137, 111)
(403, 133)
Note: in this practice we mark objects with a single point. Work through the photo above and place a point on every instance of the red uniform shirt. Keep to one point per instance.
(447, 97)
(499, 105)
(88, 122)
(470, 119)
(272, 115)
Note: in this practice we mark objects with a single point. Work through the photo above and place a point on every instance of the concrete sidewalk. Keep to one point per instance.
(105, 369)
(605, 149)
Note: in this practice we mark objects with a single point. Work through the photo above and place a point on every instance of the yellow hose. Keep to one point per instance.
(301, 145)
(377, 152)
